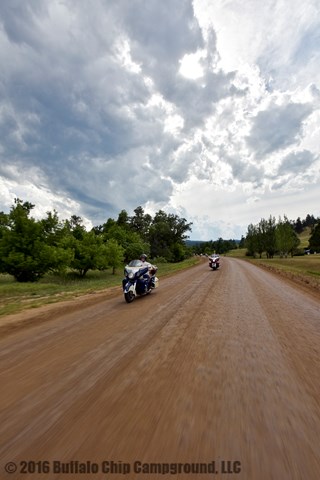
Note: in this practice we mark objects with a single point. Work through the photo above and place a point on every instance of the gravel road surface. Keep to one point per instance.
(215, 371)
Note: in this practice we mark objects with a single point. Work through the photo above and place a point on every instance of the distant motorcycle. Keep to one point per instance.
(138, 280)
(214, 262)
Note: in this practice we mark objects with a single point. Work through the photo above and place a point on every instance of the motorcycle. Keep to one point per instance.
(139, 280)
(214, 262)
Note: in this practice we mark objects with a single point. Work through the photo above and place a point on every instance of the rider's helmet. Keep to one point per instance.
(143, 256)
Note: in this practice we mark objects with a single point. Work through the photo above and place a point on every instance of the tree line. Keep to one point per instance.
(30, 248)
(219, 246)
(299, 225)
(280, 237)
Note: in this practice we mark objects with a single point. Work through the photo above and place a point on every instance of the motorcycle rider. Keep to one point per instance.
(152, 269)
(143, 258)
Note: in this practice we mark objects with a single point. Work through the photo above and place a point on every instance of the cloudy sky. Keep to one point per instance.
(209, 109)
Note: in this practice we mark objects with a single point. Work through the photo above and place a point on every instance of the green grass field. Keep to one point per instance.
(308, 265)
(15, 296)
(304, 238)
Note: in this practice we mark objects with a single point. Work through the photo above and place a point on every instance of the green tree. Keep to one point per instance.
(270, 236)
(242, 242)
(252, 240)
(179, 252)
(134, 249)
(25, 251)
(104, 228)
(75, 226)
(160, 240)
(118, 233)
(298, 227)
(114, 253)
(262, 238)
(165, 233)
(140, 223)
(314, 240)
(129, 240)
(286, 238)
(309, 221)
(89, 254)
(55, 233)
(4, 219)
(123, 219)
(89, 250)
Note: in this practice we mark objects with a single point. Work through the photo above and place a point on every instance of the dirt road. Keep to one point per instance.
(218, 368)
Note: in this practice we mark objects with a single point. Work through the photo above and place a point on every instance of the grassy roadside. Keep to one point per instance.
(15, 297)
(301, 269)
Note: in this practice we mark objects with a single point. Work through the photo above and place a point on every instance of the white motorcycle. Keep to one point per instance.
(214, 261)
(139, 280)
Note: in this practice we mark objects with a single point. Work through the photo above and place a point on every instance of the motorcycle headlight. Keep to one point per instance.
(130, 275)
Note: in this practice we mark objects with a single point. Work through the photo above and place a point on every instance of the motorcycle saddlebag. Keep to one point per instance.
(155, 282)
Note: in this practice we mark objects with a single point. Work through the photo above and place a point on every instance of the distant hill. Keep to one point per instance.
(193, 243)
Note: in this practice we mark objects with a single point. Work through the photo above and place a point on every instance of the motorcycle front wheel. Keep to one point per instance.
(129, 296)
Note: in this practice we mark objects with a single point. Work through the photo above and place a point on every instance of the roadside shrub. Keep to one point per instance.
(298, 252)
(159, 260)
